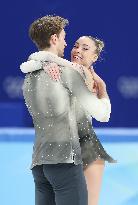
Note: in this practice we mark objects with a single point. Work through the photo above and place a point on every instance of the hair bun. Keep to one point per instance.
(100, 44)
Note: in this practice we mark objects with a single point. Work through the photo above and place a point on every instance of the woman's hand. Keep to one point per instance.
(53, 70)
(89, 79)
(100, 86)
(98, 80)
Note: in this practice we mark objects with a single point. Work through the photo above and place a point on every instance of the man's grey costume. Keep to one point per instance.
(52, 105)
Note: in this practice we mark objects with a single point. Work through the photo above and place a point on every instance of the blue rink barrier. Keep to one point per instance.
(104, 134)
(120, 181)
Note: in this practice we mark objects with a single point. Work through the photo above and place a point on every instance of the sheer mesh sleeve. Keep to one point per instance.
(99, 109)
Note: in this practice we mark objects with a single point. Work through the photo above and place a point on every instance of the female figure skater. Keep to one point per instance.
(85, 52)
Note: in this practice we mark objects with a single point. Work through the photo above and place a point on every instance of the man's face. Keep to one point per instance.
(61, 43)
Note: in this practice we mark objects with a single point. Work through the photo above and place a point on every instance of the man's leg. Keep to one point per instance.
(68, 182)
(44, 194)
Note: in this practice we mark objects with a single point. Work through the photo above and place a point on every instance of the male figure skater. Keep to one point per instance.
(56, 161)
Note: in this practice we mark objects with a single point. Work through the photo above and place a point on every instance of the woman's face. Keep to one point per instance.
(83, 52)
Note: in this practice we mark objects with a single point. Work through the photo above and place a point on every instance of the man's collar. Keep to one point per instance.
(36, 60)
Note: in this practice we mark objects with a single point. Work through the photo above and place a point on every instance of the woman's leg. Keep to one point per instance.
(93, 175)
